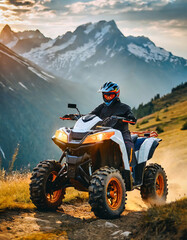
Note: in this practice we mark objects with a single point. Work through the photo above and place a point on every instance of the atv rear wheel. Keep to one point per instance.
(42, 195)
(107, 193)
(154, 189)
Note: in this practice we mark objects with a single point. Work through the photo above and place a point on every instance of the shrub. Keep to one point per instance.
(157, 118)
(144, 121)
(11, 164)
(184, 127)
(137, 125)
(166, 109)
(159, 129)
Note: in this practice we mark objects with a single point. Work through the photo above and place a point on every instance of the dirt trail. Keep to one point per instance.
(69, 222)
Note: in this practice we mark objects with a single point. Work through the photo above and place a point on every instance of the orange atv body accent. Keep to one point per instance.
(145, 133)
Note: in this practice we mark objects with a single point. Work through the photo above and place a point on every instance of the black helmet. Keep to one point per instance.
(110, 91)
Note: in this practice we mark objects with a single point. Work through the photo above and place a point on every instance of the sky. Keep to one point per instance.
(163, 21)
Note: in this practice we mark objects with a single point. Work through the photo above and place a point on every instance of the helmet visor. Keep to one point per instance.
(109, 96)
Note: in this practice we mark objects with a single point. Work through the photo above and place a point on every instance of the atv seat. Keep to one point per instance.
(134, 137)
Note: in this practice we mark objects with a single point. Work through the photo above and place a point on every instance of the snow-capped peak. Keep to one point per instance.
(22, 41)
(149, 52)
(97, 45)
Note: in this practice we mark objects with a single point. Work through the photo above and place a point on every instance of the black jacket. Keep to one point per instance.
(116, 108)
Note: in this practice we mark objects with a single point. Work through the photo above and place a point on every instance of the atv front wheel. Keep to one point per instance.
(107, 193)
(154, 189)
(42, 195)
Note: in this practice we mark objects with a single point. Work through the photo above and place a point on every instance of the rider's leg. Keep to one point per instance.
(136, 168)
(138, 173)
(131, 154)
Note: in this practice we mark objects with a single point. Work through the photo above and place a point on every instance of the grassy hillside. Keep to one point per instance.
(178, 94)
(171, 152)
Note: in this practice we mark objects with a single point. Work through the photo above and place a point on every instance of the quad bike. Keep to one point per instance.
(95, 160)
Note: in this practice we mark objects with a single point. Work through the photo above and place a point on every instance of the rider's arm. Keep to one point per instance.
(97, 110)
(128, 114)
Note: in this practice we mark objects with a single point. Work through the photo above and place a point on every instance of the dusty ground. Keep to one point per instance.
(70, 222)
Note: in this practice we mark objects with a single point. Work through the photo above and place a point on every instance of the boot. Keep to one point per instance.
(138, 174)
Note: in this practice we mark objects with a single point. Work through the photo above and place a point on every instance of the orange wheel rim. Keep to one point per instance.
(114, 193)
(160, 185)
(54, 196)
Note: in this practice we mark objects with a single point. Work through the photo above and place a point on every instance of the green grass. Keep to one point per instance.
(144, 121)
(173, 118)
(14, 193)
(73, 195)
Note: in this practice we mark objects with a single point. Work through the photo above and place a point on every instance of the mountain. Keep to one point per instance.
(31, 102)
(99, 52)
(22, 42)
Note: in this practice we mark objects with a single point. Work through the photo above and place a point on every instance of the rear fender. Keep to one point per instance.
(147, 149)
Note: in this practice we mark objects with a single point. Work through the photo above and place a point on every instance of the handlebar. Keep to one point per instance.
(77, 116)
(124, 119)
(71, 117)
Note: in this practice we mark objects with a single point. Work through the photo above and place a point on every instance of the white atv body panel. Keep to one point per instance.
(81, 126)
(118, 138)
(143, 153)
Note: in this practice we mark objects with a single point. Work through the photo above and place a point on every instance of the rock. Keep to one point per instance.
(116, 233)
(125, 234)
(58, 222)
(110, 225)
(36, 219)
(47, 229)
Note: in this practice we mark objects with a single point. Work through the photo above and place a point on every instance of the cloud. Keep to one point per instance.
(131, 9)
(168, 15)
(112, 6)
(21, 2)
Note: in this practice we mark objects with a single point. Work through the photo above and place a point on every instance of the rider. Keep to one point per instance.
(112, 106)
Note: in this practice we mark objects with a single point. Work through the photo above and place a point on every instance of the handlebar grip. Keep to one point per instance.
(128, 121)
(63, 118)
(123, 119)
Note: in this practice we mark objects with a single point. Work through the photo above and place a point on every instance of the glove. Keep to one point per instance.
(109, 122)
(130, 117)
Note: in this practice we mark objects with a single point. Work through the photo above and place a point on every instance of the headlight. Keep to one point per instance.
(98, 137)
(61, 135)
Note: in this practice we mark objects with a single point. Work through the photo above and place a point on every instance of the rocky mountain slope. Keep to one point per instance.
(31, 102)
(95, 53)
(22, 42)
